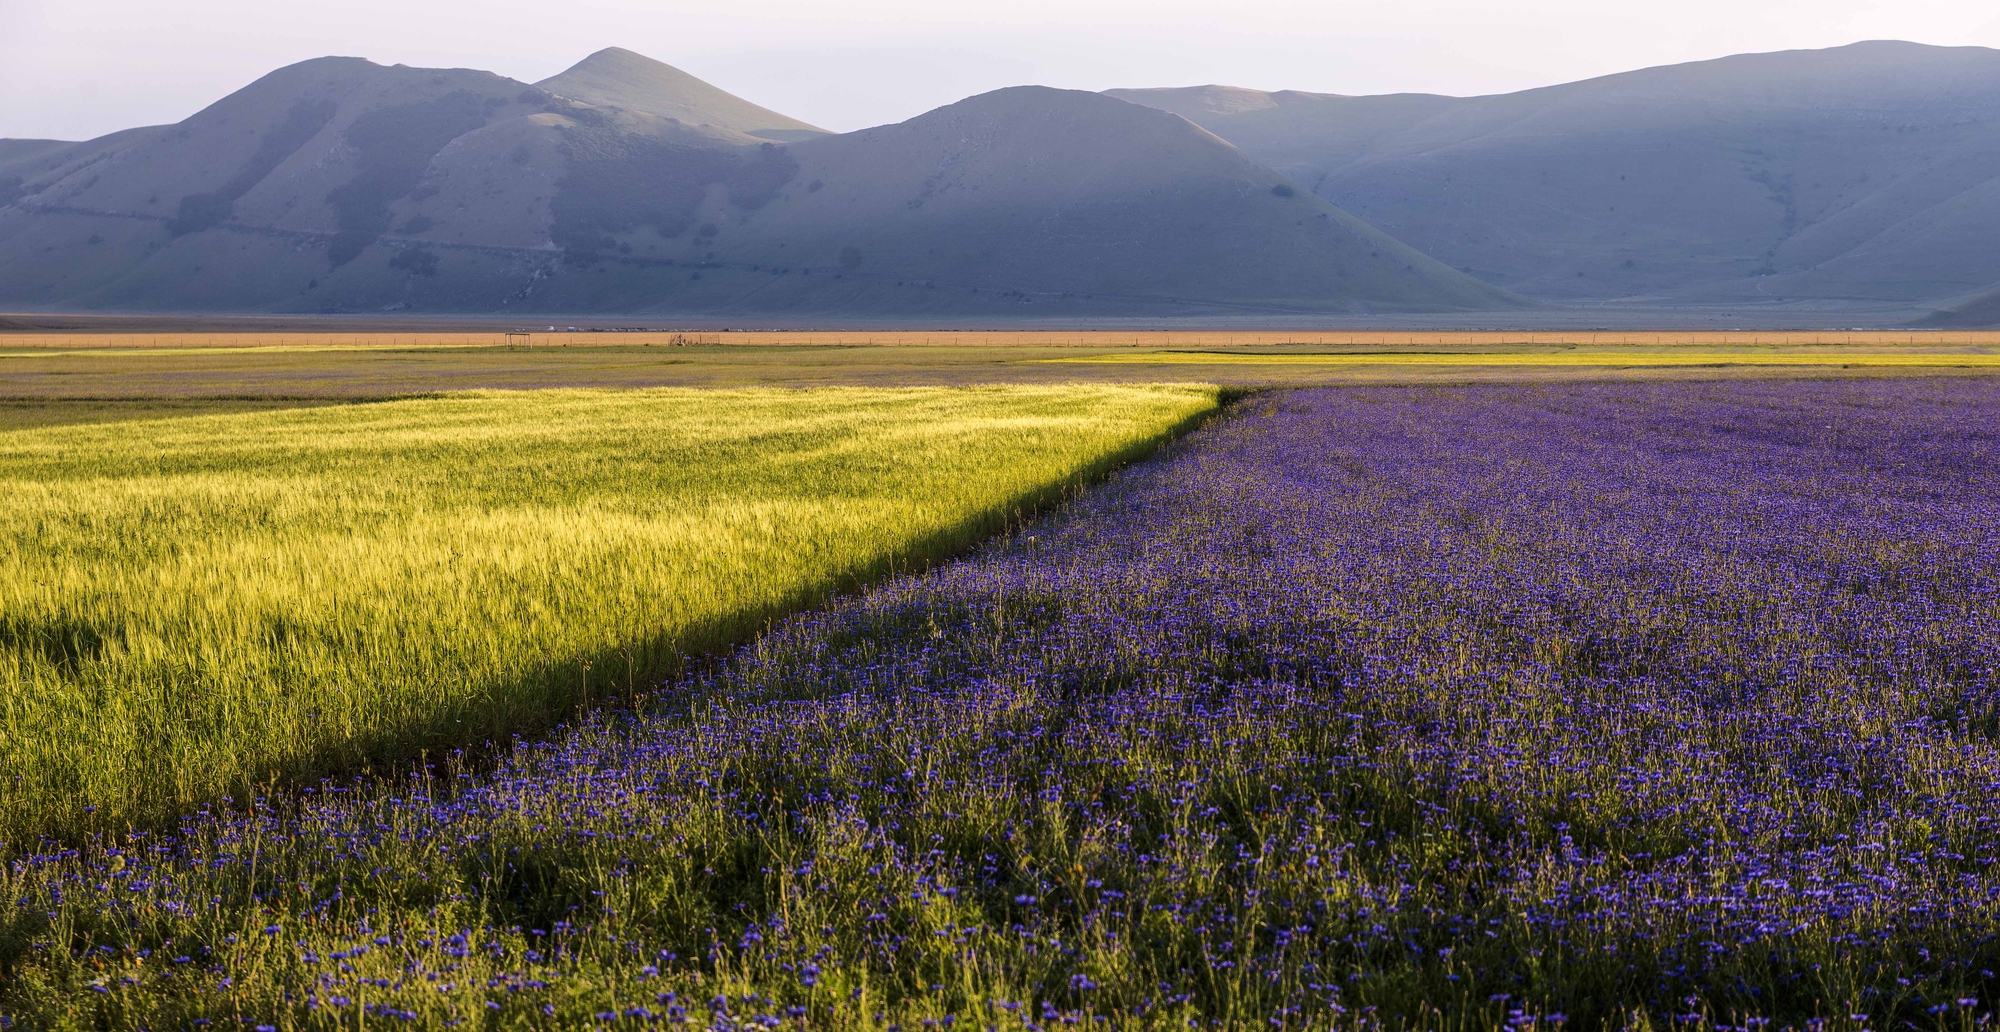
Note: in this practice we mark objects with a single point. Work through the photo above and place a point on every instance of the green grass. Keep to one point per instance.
(194, 606)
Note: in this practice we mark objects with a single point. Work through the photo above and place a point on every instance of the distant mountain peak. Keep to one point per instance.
(620, 78)
(620, 56)
(1207, 100)
(1196, 103)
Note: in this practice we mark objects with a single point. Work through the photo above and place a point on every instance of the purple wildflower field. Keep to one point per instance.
(1620, 705)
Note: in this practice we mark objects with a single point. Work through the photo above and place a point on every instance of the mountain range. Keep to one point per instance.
(1867, 174)
(1863, 173)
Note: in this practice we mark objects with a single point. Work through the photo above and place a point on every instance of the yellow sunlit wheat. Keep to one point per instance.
(190, 607)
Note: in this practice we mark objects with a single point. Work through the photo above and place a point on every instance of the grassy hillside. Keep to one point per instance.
(15, 151)
(1864, 172)
(1981, 311)
(193, 606)
(624, 185)
(1054, 193)
(618, 78)
(1026, 201)
(262, 197)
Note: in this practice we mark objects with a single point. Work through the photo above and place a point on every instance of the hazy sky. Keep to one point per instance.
(79, 68)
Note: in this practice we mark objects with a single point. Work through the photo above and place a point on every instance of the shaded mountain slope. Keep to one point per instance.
(1982, 312)
(14, 151)
(340, 185)
(326, 186)
(1053, 194)
(252, 199)
(618, 78)
(1022, 201)
(1867, 172)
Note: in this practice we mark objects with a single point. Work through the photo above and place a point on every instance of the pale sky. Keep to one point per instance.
(73, 69)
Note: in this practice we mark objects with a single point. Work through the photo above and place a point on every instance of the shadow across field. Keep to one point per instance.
(315, 668)
(627, 674)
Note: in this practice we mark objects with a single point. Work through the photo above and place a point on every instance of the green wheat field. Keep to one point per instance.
(205, 605)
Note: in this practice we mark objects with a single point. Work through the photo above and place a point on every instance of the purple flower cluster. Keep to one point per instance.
(1530, 707)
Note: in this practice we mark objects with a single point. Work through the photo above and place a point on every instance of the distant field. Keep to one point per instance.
(21, 413)
(1640, 357)
(194, 606)
(112, 368)
(1169, 339)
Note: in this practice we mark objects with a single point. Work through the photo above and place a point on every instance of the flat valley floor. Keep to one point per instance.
(62, 377)
(1442, 684)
